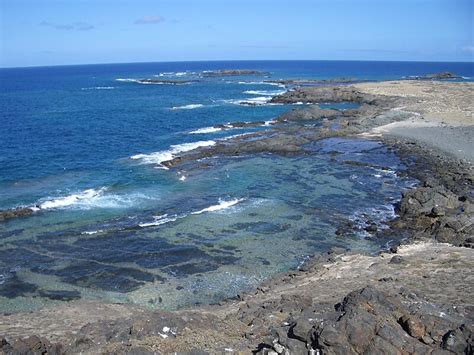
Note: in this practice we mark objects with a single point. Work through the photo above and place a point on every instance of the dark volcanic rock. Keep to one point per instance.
(17, 212)
(233, 72)
(30, 345)
(165, 82)
(240, 124)
(435, 211)
(310, 113)
(369, 321)
(438, 76)
(280, 144)
(314, 82)
(324, 94)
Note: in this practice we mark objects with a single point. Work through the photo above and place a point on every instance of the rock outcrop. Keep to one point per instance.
(369, 321)
(232, 72)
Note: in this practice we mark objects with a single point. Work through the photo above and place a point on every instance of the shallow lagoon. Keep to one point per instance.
(220, 231)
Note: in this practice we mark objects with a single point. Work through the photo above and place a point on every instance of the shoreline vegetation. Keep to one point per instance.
(415, 297)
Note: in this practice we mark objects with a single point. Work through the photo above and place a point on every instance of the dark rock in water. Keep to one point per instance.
(315, 82)
(437, 76)
(14, 213)
(165, 82)
(105, 277)
(15, 287)
(240, 124)
(233, 72)
(261, 227)
(371, 228)
(61, 295)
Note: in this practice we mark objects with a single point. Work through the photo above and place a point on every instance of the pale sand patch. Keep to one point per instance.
(448, 102)
(442, 114)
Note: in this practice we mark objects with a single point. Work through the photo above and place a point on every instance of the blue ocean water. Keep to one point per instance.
(82, 144)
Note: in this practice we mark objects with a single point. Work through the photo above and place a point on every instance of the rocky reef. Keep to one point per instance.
(232, 72)
(165, 82)
(437, 76)
(16, 212)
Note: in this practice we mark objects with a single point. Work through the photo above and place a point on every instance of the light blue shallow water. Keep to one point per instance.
(83, 147)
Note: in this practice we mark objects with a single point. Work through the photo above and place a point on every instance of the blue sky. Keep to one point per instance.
(55, 32)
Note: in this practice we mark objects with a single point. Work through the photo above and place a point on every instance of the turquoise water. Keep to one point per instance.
(83, 147)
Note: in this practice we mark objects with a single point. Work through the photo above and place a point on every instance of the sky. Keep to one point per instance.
(62, 32)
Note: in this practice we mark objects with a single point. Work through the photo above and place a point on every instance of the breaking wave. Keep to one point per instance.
(158, 158)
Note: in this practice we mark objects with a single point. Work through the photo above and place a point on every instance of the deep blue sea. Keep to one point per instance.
(83, 146)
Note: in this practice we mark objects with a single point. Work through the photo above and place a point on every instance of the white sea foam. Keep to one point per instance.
(159, 220)
(260, 83)
(159, 157)
(99, 88)
(92, 198)
(206, 130)
(178, 74)
(260, 100)
(265, 92)
(221, 206)
(187, 107)
(69, 200)
(235, 136)
(92, 232)
(144, 82)
(127, 80)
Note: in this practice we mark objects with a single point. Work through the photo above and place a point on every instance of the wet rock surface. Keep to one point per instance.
(14, 213)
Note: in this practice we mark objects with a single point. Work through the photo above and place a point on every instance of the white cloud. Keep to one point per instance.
(76, 26)
(469, 48)
(149, 20)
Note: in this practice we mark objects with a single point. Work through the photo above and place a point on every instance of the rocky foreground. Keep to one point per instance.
(414, 298)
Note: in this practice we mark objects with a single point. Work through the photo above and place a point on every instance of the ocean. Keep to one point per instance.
(83, 146)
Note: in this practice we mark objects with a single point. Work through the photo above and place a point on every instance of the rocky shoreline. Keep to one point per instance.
(414, 298)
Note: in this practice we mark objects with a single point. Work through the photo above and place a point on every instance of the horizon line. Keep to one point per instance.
(239, 60)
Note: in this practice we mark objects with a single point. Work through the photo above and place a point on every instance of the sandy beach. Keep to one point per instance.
(442, 114)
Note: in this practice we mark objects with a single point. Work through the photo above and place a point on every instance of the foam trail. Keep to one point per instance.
(127, 80)
(159, 220)
(165, 155)
(206, 130)
(92, 232)
(92, 198)
(99, 88)
(67, 201)
(187, 107)
(261, 83)
(221, 206)
(260, 100)
(264, 92)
